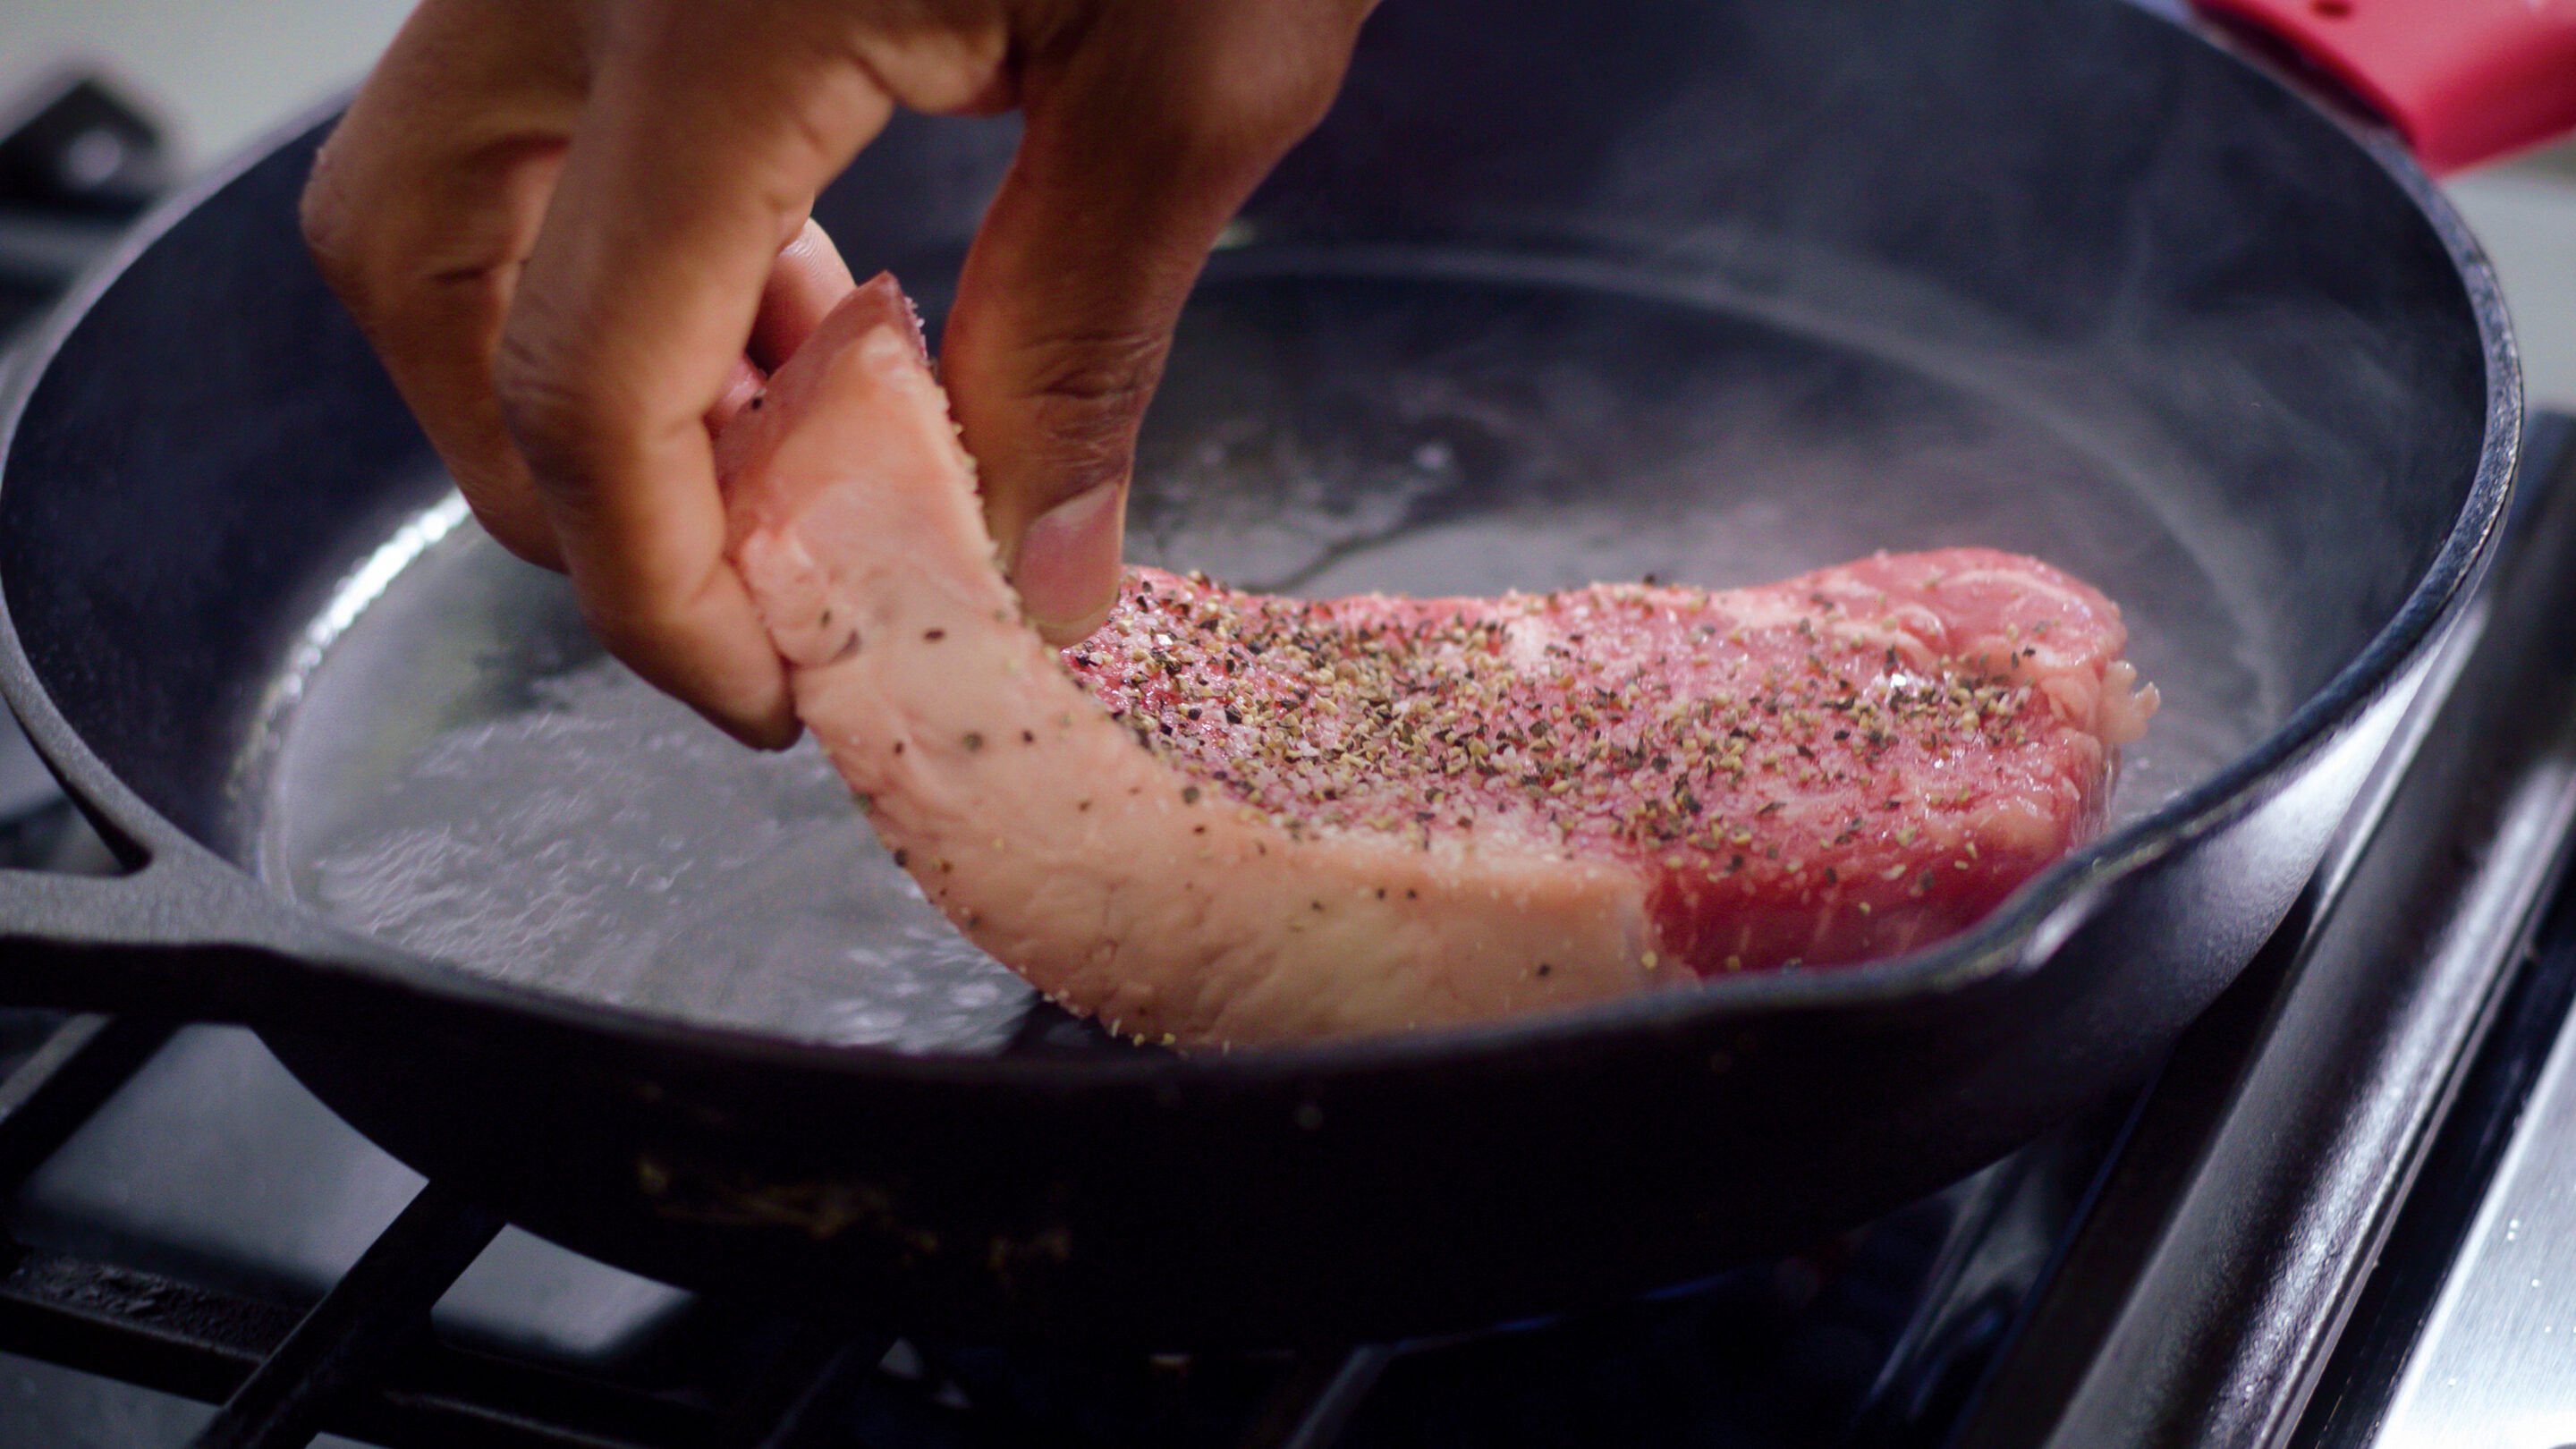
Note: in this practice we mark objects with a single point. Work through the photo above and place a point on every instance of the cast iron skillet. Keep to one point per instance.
(2058, 275)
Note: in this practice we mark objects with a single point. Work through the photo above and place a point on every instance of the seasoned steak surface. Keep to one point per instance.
(1228, 819)
(1839, 766)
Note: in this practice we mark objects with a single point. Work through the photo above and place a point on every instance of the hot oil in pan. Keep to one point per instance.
(459, 771)
(467, 777)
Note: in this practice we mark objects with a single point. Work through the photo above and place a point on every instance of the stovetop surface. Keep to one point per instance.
(2494, 1363)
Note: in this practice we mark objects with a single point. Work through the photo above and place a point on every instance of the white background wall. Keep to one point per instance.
(222, 72)
(218, 72)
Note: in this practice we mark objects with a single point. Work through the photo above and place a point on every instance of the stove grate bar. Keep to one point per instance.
(377, 1310)
(137, 1327)
(198, 1343)
(178, 1338)
(803, 1402)
(455, 1396)
(68, 1077)
(1316, 1398)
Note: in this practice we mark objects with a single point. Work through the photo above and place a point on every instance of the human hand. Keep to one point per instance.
(576, 230)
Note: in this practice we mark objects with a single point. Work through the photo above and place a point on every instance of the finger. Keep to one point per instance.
(422, 204)
(707, 134)
(1143, 136)
(806, 282)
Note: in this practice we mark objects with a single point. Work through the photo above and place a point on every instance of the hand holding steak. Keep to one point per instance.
(1293, 819)
(574, 228)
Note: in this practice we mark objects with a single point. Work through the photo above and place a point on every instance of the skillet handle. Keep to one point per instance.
(2462, 80)
(167, 940)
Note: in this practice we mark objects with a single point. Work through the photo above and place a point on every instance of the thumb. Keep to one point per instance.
(1139, 145)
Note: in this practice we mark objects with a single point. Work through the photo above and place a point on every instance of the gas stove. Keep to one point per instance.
(2315, 1227)
(2336, 1219)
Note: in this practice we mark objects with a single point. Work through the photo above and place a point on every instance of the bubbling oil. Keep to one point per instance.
(606, 844)
(456, 769)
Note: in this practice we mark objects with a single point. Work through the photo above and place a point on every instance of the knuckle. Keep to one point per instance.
(1267, 96)
(328, 223)
(936, 68)
(1290, 102)
(639, 618)
(503, 505)
(1239, 124)
(325, 228)
(1099, 372)
(1087, 396)
(550, 416)
(628, 628)
(657, 620)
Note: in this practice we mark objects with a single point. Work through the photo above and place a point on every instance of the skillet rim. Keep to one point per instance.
(2004, 945)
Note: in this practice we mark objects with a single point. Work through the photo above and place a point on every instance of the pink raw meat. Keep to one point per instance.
(1300, 819)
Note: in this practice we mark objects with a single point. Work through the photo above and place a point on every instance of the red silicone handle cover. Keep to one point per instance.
(2462, 80)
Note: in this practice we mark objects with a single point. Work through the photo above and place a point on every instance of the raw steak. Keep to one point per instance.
(1236, 819)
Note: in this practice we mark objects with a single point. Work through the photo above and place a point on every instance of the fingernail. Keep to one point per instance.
(1068, 567)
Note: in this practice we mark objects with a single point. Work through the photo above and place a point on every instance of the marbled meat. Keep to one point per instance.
(1229, 818)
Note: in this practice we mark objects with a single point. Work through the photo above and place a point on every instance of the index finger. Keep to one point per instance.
(704, 141)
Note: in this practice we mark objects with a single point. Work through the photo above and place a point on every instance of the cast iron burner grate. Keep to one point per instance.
(1807, 1351)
